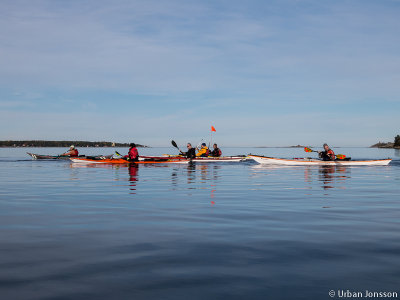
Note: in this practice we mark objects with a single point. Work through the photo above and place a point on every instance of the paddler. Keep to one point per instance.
(328, 154)
(216, 151)
(203, 152)
(133, 154)
(73, 152)
(191, 153)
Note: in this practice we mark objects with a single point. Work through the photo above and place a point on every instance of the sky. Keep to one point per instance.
(263, 73)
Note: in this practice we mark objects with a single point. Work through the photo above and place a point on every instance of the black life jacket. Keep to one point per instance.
(216, 153)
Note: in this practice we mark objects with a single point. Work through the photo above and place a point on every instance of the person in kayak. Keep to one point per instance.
(191, 153)
(216, 151)
(73, 152)
(328, 154)
(133, 154)
(203, 152)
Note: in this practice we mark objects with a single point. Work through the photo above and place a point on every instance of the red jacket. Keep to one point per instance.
(133, 154)
(331, 154)
(74, 152)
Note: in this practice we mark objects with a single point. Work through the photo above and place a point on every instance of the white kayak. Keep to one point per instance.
(316, 162)
(219, 159)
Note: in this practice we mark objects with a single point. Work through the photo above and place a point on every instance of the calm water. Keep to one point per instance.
(212, 231)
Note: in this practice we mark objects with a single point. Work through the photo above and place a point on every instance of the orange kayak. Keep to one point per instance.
(123, 161)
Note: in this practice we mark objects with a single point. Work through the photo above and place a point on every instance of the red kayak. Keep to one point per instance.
(124, 161)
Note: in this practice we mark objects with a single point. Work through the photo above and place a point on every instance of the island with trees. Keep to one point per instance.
(392, 145)
(41, 143)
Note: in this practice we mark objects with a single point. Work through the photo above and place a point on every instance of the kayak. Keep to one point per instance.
(40, 156)
(219, 159)
(123, 161)
(199, 159)
(316, 162)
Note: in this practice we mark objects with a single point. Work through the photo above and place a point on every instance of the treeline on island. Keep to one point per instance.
(395, 144)
(39, 143)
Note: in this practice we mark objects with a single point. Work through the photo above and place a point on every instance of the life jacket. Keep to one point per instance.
(203, 152)
(133, 153)
(328, 155)
(191, 153)
(331, 154)
(216, 152)
(74, 152)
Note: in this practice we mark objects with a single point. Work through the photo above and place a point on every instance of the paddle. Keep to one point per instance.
(116, 152)
(306, 149)
(175, 145)
(338, 156)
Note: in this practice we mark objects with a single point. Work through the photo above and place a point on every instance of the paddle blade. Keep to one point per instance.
(213, 128)
(116, 152)
(340, 156)
(306, 149)
(174, 144)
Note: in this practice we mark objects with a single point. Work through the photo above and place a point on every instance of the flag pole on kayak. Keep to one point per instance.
(212, 130)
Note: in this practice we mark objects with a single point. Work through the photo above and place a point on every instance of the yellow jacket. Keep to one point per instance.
(202, 152)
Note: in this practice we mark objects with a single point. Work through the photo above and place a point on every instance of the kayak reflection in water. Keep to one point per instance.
(216, 152)
(72, 152)
(133, 154)
(191, 153)
(328, 154)
(203, 152)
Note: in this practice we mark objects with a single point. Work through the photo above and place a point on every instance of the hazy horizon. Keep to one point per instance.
(291, 72)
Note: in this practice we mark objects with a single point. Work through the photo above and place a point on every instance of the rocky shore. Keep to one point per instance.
(385, 145)
(40, 143)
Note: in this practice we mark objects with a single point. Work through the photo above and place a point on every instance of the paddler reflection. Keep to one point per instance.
(133, 177)
(333, 176)
(329, 176)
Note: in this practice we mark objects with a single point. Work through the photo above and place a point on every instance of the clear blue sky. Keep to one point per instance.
(262, 72)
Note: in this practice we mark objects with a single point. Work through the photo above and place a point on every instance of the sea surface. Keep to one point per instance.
(201, 231)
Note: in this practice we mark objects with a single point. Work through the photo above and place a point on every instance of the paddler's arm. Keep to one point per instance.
(201, 152)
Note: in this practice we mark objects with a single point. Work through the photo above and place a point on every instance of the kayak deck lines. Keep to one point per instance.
(200, 159)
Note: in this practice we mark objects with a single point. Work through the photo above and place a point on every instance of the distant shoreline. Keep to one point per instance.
(388, 145)
(41, 143)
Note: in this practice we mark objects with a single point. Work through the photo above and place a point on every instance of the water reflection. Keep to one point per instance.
(333, 176)
(397, 152)
(327, 177)
(196, 177)
(133, 177)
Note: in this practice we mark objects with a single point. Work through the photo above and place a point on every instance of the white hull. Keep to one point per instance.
(219, 159)
(316, 162)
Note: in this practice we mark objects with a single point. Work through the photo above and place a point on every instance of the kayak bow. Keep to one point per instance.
(40, 156)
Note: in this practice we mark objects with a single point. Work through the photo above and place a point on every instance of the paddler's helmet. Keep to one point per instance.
(72, 147)
(203, 145)
(132, 145)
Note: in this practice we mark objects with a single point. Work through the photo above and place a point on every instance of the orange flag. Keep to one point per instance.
(212, 128)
